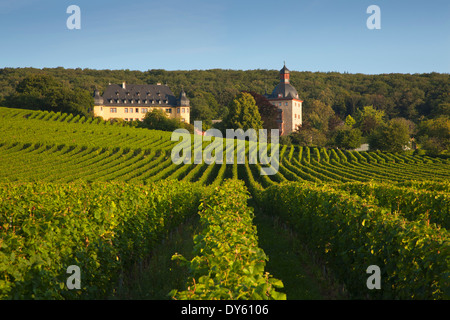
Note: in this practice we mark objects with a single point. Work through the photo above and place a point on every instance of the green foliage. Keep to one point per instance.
(205, 108)
(391, 137)
(101, 227)
(268, 112)
(308, 136)
(368, 119)
(243, 113)
(228, 263)
(44, 92)
(406, 95)
(348, 138)
(351, 233)
(157, 119)
(400, 215)
(349, 121)
(434, 135)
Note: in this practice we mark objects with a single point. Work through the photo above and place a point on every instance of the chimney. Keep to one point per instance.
(123, 85)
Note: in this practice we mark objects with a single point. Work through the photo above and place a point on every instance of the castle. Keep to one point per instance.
(133, 101)
(285, 98)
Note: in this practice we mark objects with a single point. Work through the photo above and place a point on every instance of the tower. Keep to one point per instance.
(285, 97)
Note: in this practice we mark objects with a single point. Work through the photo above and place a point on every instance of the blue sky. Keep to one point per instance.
(310, 35)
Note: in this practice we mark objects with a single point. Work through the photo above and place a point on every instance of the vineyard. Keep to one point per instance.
(78, 191)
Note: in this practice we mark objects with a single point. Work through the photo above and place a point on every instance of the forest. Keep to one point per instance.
(334, 103)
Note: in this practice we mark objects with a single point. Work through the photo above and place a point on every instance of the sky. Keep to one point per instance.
(309, 35)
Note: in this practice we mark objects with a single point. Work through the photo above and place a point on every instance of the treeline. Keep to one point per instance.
(328, 97)
(399, 95)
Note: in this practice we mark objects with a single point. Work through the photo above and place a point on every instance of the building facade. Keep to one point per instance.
(285, 97)
(133, 101)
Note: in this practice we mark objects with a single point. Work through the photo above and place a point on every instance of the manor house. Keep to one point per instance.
(133, 101)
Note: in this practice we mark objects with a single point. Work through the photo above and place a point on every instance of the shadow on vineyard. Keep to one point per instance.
(290, 260)
(157, 275)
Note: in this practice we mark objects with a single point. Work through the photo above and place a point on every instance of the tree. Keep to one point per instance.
(368, 119)
(348, 138)
(158, 120)
(392, 136)
(349, 121)
(318, 114)
(204, 107)
(243, 113)
(268, 112)
(308, 136)
(434, 135)
(44, 92)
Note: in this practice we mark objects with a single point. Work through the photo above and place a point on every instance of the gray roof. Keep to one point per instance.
(183, 99)
(137, 95)
(285, 89)
(284, 70)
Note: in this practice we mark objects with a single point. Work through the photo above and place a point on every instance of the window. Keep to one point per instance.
(182, 110)
(126, 110)
(169, 110)
(178, 110)
(187, 110)
(126, 119)
(144, 110)
(137, 110)
(131, 110)
(279, 104)
(286, 104)
(113, 110)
